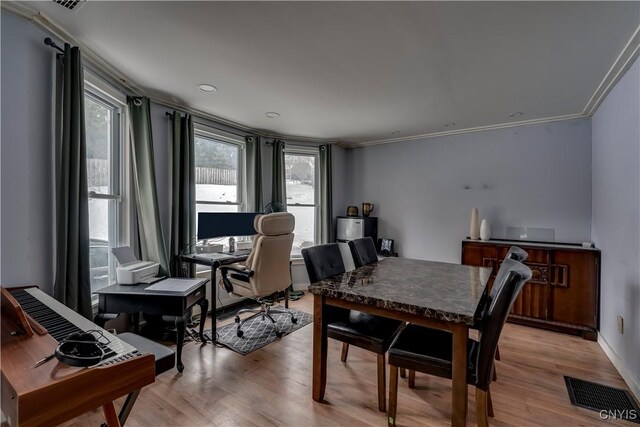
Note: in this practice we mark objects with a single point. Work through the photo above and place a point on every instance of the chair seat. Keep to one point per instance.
(373, 333)
(165, 357)
(429, 351)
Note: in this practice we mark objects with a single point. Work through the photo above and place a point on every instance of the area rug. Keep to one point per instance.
(258, 333)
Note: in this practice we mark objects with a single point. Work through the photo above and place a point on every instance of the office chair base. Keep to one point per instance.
(266, 312)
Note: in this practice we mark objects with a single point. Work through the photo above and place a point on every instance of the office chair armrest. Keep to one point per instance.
(225, 280)
(225, 268)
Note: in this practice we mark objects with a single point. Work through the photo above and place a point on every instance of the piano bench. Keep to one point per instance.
(165, 357)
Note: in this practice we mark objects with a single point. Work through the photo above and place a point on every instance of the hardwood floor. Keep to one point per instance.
(272, 386)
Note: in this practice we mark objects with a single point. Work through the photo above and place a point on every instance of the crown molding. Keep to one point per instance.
(623, 62)
(469, 130)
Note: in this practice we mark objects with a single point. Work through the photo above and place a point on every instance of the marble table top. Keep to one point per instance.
(449, 292)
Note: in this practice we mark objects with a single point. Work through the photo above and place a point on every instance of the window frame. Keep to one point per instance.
(311, 152)
(203, 131)
(120, 212)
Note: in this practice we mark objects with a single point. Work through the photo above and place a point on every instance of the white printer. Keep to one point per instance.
(132, 270)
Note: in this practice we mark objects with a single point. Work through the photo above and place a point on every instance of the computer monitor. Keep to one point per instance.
(222, 224)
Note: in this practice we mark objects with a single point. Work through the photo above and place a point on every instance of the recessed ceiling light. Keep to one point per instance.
(272, 114)
(518, 114)
(207, 88)
(448, 125)
(395, 132)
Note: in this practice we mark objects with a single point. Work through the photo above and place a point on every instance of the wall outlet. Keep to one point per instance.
(620, 324)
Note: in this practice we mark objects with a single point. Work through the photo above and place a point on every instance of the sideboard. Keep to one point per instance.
(563, 293)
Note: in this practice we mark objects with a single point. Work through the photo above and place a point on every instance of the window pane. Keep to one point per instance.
(305, 227)
(99, 252)
(300, 178)
(98, 128)
(217, 169)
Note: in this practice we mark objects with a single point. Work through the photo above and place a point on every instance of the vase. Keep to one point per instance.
(474, 229)
(485, 230)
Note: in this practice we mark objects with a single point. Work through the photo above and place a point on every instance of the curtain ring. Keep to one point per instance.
(137, 102)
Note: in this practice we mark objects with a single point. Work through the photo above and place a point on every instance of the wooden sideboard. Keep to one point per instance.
(562, 295)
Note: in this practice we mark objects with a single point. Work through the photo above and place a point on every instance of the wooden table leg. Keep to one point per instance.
(459, 375)
(110, 415)
(319, 349)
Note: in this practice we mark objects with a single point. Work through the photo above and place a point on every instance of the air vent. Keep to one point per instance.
(71, 4)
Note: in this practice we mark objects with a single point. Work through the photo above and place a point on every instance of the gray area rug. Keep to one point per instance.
(258, 333)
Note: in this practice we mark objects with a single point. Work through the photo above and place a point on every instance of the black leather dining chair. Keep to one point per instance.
(363, 251)
(366, 331)
(429, 350)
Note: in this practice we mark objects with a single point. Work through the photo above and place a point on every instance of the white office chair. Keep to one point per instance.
(266, 270)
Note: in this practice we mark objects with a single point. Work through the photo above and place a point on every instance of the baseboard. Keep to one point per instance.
(622, 369)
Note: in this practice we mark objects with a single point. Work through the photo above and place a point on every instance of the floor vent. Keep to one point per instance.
(609, 402)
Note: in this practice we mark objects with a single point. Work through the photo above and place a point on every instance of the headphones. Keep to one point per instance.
(81, 349)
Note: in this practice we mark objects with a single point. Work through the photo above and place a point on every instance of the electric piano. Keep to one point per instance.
(52, 393)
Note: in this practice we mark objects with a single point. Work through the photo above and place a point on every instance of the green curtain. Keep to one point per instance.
(72, 284)
(152, 245)
(253, 149)
(183, 188)
(326, 204)
(278, 187)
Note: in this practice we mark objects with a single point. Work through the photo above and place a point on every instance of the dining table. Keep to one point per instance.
(432, 294)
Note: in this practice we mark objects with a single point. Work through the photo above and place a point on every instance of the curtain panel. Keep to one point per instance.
(254, 173)
(183, 189)
(152, 244)
(278, 186)
(72, 285)
(326, 191)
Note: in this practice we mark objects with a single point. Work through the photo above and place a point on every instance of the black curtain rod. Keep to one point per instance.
(213, 127)
(53, 44)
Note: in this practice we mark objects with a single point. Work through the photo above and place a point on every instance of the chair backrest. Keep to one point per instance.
(517, 253)
(495, 315)
(271, 253)
(323, 261)
(363, 251)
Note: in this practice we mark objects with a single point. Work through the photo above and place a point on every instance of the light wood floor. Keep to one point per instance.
(272, 386)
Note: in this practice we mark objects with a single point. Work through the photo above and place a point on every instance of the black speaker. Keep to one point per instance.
(80, 349)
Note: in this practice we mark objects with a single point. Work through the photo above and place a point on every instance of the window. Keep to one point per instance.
(103, 124)
(219, 167)
(302, 195)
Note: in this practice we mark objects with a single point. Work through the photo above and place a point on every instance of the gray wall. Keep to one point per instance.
(615, 226)
(536, 176)
(26, 254)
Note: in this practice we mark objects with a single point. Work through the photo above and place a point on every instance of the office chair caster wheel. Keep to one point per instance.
(239, 333)
(294, 320)
(237, 319)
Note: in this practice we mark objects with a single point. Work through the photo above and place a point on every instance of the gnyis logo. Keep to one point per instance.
(617, 414)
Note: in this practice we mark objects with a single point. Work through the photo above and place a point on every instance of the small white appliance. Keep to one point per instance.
(133, 271)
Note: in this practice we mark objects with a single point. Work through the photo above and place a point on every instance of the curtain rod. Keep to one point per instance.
(216, 128)
(53, 44)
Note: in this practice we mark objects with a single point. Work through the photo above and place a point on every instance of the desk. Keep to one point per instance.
(432, 294)
(214, 260)
(172, 306)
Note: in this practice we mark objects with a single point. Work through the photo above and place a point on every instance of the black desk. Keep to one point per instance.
(214, 260)
(172, 306)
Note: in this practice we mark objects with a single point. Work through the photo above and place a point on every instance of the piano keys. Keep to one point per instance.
(53, 392)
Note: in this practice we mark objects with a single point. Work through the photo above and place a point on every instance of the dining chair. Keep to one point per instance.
(366, 331)
(430, 350)
(514, 253)
(363, 251)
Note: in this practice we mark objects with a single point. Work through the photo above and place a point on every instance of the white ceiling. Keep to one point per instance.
(358, 71)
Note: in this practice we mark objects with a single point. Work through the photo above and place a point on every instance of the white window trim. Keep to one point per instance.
(126, 213)
(309, 151)
(205, 131)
